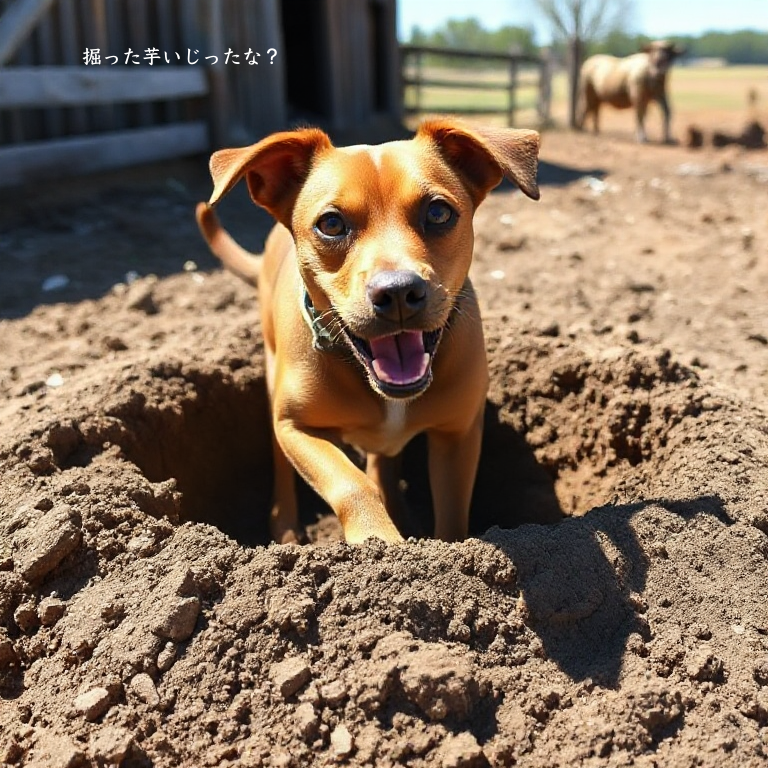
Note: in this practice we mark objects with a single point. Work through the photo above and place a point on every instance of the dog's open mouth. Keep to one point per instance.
(400, 365)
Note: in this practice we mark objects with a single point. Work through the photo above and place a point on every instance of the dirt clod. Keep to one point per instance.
(50, 610)
(290, 675)
(342, 742)
(307, 720)
(111, 745)
(143, 686)
(26, 618)
(177, 618)
(93, 703)
(439, 683)
(41, 548)
(461, 751)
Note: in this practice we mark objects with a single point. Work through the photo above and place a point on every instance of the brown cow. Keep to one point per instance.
(631, 82)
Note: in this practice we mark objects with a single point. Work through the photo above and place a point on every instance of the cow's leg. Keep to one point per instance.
(581, 111)
(641, 106)
(663, 104)
(592, 107)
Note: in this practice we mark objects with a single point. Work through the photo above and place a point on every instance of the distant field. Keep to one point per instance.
(723, 88)
(711, 96)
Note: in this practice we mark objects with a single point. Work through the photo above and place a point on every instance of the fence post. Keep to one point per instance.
(575, 49)
(544, 106)
(417, 85)
(220, 119)
(512, 91)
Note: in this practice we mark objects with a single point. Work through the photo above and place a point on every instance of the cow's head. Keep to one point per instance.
(661, 54)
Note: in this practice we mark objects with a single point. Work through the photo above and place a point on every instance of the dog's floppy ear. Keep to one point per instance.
(275, 169)
(483, 156)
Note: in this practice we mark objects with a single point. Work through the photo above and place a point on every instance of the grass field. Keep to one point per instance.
(711, 96)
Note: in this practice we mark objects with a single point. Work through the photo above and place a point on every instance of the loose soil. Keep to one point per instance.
(610, 609)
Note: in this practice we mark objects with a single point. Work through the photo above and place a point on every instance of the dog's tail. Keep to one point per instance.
(233, 256)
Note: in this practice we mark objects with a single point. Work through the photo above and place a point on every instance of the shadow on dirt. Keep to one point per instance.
(579, 579)
(72, 246)
(554, 175)
(512, 488)
(87, 235)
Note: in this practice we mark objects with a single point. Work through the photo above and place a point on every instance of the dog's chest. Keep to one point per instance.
(389, 436)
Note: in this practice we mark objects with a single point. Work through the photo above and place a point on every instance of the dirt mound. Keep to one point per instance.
(144, 619)
(131, 627)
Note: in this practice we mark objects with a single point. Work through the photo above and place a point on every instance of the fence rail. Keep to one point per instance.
(60, 117)
(414, 80)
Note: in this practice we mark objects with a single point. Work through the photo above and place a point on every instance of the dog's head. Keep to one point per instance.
(661, 54)
(383, 234)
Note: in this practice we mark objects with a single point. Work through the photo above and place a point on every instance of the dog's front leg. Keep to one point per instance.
(351, 494)
(453, 460)
(386, 472)
(284, 517)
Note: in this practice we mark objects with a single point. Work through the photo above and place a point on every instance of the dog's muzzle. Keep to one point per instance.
(398, 363)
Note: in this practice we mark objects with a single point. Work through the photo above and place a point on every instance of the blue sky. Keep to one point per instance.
(656, 18)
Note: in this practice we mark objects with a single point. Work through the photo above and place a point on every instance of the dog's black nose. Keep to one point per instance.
(397, 294)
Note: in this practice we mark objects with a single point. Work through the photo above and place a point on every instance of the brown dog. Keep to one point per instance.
(371, 326)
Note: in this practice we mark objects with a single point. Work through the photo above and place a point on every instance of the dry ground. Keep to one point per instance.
(143, 620)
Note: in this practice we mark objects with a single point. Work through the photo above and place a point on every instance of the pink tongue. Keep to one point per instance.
(400, 359)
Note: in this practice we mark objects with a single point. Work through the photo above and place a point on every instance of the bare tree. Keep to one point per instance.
(585, 19)
(578, 22)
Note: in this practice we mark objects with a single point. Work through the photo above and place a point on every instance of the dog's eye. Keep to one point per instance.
(439, 213)
(331, 225)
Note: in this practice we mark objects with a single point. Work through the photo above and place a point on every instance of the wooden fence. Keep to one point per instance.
(521, 70)
(60, 116)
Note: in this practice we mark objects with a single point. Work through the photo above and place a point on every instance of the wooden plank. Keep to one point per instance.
(219, 102)
(192, 36)
(168, 43)
(191, 39)
(53, 119)
(25, 163)
(117, 40)
(512, 93)
(334, 44)
(468, 84)
(93, 16)
(272, 114)
(460, 53)
(16, 22)
(458, 110)
(545, 88)
(392, 54)
(361, 60)
(25, 126)
(78, 86)
(71, 51)
(246, 34)
(138, 29)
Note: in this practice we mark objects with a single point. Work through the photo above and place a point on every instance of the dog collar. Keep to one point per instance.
(322, 339)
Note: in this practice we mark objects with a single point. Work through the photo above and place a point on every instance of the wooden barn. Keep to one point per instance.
(89, 85)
